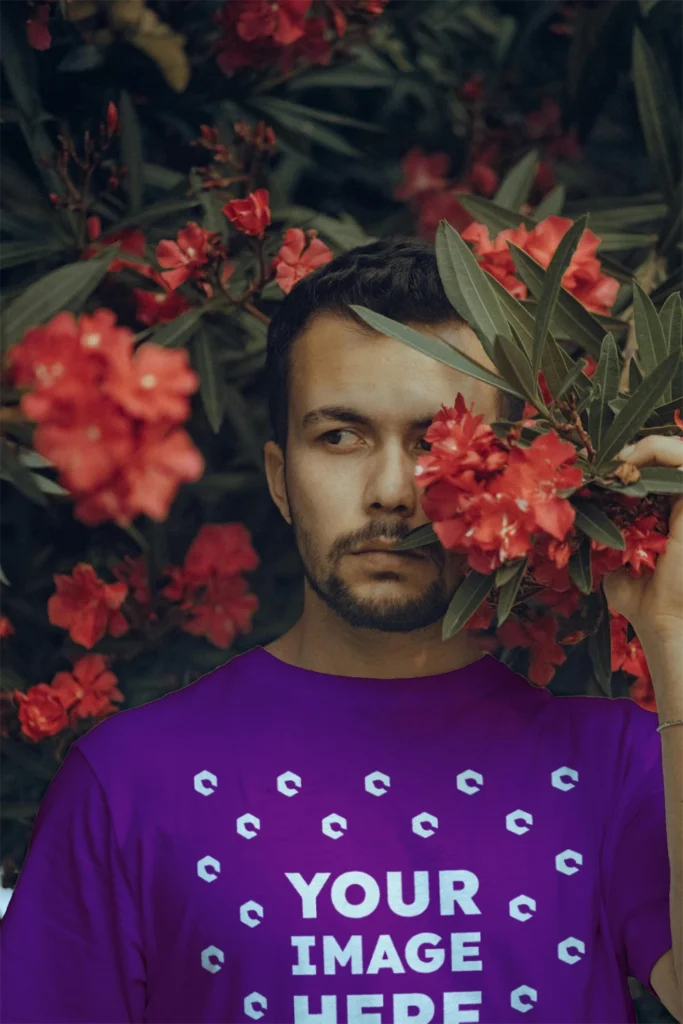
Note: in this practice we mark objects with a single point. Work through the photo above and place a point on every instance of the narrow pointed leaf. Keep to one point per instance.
(516, 368)
(209, 378)
(506, 571)
(551, 205)
(514, 189)
(465, 602)
(606, 378)
(467, 286)
(418, 538)
(508, 593)
(592, 521)
(580, 567)
(671, 317)
(552, 284)
(66, 288)
(433, 347)
(636, 410)
(662, 479)
(569, 381)
(178, 331)
(652, 343)
(493, 216)
(131, 151)
(600, 646)
(659, 118)
(569, 315)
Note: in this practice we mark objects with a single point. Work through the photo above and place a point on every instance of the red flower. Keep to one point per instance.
(250, 215)
(93, 227)
(130, 240)
(224, 609)
(295, 259)
(87, 607)
(41, 712)
(473, 88)
(113, 124)
(88, 690)
(422, 172)
(186, 256)
(154, 384)
(6, 627)
(159, 307)
(281, 20)
(220, 549)
(37, 32)
(496, 258)
(540, 636)
(482, 179)
(437, 206)
(583, 277)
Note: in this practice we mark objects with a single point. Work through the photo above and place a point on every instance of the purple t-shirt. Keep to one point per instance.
(281, 845)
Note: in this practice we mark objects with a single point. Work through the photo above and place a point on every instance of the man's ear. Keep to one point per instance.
(274, 463)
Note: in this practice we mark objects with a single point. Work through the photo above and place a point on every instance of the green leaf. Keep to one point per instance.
(570, 380)
(67, 287)
(620, 217)
(618, 241)
(600, 646)
(660, 116)
(671, 318)
(305, 128)
(177, 331)
(494, 217)
(465, 602)
(433, 347)
(569, 315)
(670, 234)
(467, 287)
(418, 538)
(551, 286)
(592, 521)
(508, 591)
(300, 111)
(662, 479)
(506, 571)
(516, 368)
(606, 378)
(131, 152)
(652, 344)
(209, 378)
(514, 189)
(551, 205)
(15, 254)
(516, 315)
(636, 410)
(580, 566)
(23, 479)
(241, 418)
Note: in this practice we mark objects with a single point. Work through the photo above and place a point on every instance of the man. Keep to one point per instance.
(358, 821)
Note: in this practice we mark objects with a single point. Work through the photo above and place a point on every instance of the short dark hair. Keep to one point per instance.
(396, 276)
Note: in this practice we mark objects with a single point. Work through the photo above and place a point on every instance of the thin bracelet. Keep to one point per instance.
(679, 721)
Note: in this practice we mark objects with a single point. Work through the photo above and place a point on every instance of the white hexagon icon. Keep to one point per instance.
(562, 858)
(284, 779)
(207, 961)
(208, 868)
(522, 901)
(247, 909)
(244, 821)
(377, 783)
(205, 783)
(420, 822)
(511, 822)
(328, 826)
(567, 944)
(518, 994)
(252, 1004)
(559, 783)
(464, 779)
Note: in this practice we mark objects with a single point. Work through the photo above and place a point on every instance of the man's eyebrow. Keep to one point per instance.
(349, 415)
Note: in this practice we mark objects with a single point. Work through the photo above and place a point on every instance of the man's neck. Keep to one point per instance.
(356, 652)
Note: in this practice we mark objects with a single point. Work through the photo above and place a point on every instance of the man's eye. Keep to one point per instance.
(325, 437)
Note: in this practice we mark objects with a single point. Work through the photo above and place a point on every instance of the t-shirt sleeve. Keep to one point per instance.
(637, 894)
(70, 942)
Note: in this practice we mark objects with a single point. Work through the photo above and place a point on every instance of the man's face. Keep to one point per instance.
(346, 483)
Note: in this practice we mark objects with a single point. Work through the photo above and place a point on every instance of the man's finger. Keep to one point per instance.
(666, 451)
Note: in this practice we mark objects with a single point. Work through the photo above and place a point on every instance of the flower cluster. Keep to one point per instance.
(497, 502)
(87, 691)
(301, 253)
(583, 277)
(282, 33)
(70, 165)
(433, 194)
(108, 416)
